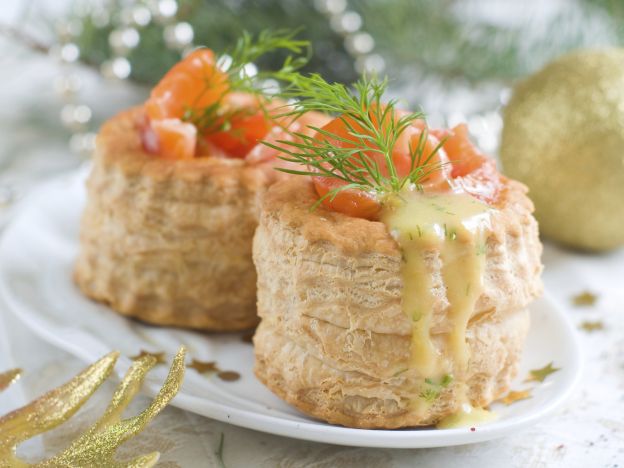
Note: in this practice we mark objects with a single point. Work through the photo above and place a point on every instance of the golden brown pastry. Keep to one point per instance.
(334, 340)
(169, 242)
(173, 200)
(393, 280)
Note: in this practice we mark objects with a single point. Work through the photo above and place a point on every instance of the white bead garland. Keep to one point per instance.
(124, 37)
(178, 36)
(141, 15)
(359, 44)
(164, 10)
(75, 117)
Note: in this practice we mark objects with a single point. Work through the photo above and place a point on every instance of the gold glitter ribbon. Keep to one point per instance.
(7, 378)
(97, 446)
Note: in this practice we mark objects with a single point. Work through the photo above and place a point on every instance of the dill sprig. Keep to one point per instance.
(432, 390)
(373, 128)
(248, 50)
(236, 64)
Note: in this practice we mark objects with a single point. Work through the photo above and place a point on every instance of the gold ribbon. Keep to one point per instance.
(98, 445)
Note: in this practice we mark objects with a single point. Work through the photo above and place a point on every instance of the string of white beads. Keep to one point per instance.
(358, 43)
(74, 116)
(124, 37)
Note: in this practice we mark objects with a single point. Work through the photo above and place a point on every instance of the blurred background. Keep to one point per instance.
(69, 64)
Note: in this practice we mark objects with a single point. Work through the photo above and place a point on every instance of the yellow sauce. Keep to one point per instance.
(467, 416)
(455, 226)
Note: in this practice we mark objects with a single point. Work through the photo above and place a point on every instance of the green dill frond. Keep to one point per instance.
(429, 394)
(446, 380)
(235, 62)
(249, 49)
(433, 389)
(373, 126)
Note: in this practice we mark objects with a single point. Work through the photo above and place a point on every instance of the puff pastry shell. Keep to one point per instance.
(169, 242)
(333, 338)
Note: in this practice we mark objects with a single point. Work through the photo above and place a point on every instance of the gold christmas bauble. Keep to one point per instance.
(563, 137)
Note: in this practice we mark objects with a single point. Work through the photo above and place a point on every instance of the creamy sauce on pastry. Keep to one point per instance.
(467, 416)
(454, 227)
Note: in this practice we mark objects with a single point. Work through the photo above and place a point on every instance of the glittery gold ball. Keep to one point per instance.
(564, 138)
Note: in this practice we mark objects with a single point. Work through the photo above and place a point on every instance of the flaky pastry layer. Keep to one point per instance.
(169, 242)
(333, 335)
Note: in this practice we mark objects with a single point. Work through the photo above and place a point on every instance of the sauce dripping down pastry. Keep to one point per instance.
(456, 226)
(393, 282)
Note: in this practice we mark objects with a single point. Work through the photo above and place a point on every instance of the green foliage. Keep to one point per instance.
(440, 37)
(219, 24)
(250, 49)
(373, 128)
(431, 47)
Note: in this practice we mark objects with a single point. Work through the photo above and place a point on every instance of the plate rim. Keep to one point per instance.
(316, 431)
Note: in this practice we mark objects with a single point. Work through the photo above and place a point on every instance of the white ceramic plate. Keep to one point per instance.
(36, 257)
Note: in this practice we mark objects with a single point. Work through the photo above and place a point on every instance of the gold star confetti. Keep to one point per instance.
(203, 367)
(228, 376)
(159, 356)
(584, 299)
(98, 445)
(514, 396)
(538, 375)
(589, 326)
(8, 377)
(211, 367)
(248, 337)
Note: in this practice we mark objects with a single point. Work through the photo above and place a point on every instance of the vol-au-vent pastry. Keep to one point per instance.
(394, 276)
(173, 195)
